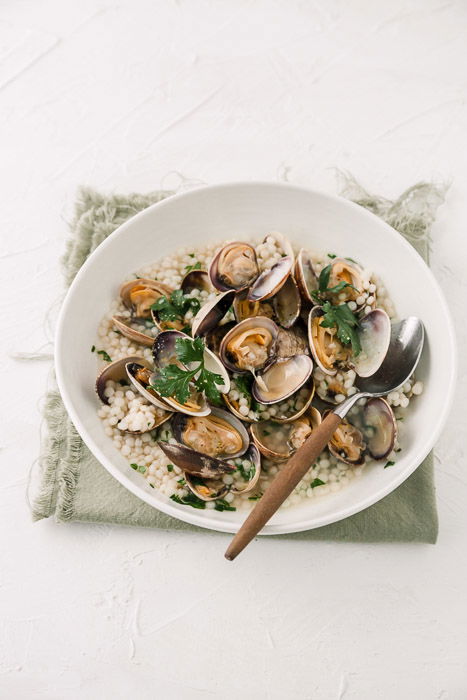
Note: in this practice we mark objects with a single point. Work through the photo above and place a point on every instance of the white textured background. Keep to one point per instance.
(117, 95)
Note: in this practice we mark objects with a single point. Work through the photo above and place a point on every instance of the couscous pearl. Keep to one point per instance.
(417, 388)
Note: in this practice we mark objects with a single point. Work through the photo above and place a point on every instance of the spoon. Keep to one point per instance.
(405, 348)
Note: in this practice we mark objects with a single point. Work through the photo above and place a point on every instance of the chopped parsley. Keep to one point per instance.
(196, 266)
(93, 349)
(332, 256)
(175, 307)
(178, 381)
(221, 505)
(255, 498)
(105, 356)
(342, 318)
(317, 482)
(389, 464)
(170, 467)
(139, 468)
(247, 473)
(189, 500)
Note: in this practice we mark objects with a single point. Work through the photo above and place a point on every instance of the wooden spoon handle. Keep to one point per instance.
(283, 485)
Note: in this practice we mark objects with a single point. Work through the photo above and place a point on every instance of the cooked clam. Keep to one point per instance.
(379, 427)
(140, 375)
(325, 347)
(249, 468)
(305, 275)
(249, 345)
(206, 489)
(234, 267)
(333, 387)
(123, 325)
(347, 444)
(211, 314)
(343, 270)
(278, 441)
(270, 281)
(165, 353)
(287, 303)
(282, 378)
(138, 295)
(219, 434)
(374, 334)
(114, 371)
(196, 463)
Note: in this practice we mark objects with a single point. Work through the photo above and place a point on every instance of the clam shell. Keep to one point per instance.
(214, 337)
(305, 275)
(150, 395)
(215, 269)
(310, 386)
(346, 429)
(379, 427)
(282, 378)
(244, 309)
(254, 456)
(196, 279)
(374, 334)
(128, 287)
(315, 312)
(121, 324)
(246, 325)
(206, 489)
(211, 314)
(273, 439)
(179, 422)
(195, 463)
(115, 371)
(287, 303)
(270, 281)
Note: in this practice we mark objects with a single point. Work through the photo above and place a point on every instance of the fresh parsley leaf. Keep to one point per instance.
(182, 482)
(317, 482)
(221, 504)
(105, 356)
(332, 256)
(323, 281)
(189, 268)
(342, 318)
(174, 381)
(189, 500)
(389, 464)
(207, 381)
(243, 384)
(175, 307)
(189, 350)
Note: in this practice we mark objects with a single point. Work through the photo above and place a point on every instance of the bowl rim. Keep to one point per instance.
(213, 522)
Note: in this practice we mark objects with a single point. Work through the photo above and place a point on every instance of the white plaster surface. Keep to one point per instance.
(117, 94)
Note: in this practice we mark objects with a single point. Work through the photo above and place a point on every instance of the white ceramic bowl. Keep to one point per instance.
(320, 221)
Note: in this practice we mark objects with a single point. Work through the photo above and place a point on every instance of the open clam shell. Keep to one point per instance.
(374, 334)
(324, 346)
(243, 308)
(115, 371)
(347, 444)
(234, 267)
(140, 375)
(165, 353)
(305, 275)
(282, 378)
(287, 415)
(196, 279)
(220, 434)
(287, 303)
(250, 474)
(278, 441)
(249, 345)
(211, 314)
(206, 489)
(343, 270)
(214, 337)
(196, 463)
(270, 281)
(122, 324)
(138, 295)
(379, 427)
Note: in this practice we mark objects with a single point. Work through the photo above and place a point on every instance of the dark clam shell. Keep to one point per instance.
(194, 462)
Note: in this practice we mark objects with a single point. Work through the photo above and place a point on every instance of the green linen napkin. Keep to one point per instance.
(74, 486)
